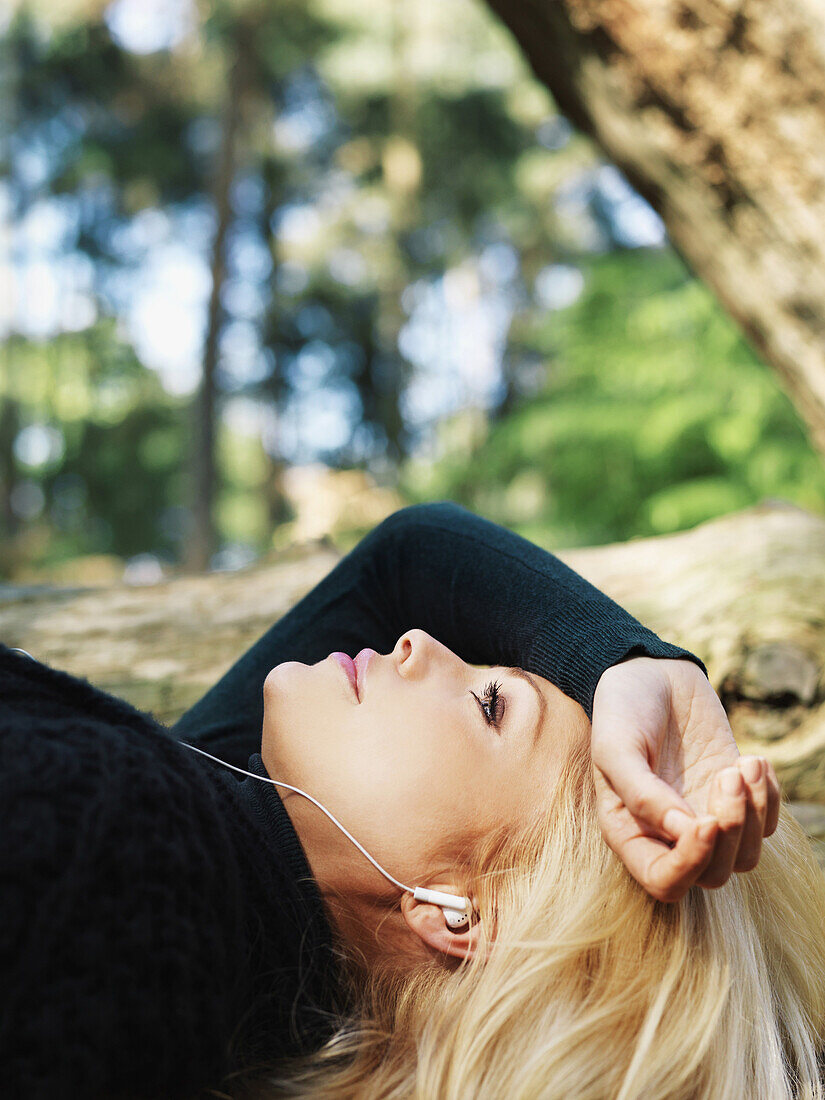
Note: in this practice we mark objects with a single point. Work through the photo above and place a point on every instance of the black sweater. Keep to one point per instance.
(160, 924)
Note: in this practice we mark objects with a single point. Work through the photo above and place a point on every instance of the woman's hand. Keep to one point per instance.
(667, 769)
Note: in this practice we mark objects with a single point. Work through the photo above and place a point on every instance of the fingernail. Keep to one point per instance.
(707, 828)
(751, 769)
(732, 781)
(676, 821)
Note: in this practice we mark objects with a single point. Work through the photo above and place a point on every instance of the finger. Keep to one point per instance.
(648, 797)
(728, 802)
(774, 799)
(750, 846)
(668, 873)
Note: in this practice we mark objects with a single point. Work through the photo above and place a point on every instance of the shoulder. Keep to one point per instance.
(441, 512)
(121, 894)
(103, 801)
(59, 733)
(78, 767)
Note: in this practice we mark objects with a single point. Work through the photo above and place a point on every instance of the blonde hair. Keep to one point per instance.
(594, 990)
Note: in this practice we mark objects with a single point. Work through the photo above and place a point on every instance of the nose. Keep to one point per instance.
(416, 651)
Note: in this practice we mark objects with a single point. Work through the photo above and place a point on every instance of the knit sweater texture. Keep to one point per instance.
(161, 927)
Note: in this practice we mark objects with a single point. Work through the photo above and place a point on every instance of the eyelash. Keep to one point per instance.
(495, 700)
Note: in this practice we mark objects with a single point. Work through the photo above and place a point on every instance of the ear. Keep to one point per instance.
(427, 921)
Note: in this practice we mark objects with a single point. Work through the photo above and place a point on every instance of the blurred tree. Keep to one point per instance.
(95, 460)
(201, 542)
(256, 66)
(374, 209)
(9, 427)
(716, 114)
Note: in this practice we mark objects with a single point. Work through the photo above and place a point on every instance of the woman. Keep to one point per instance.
(592, 989)
(172, 926)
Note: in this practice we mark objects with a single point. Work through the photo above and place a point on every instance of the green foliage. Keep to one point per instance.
(112, 481)
(654, 416)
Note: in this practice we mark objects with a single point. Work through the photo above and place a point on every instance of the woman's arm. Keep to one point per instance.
(493, 597)
(486, 593)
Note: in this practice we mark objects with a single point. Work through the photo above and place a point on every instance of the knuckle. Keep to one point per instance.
(668, 888)
(760, 794)
(760, 804)
(642, 805)
(747, 863)
(671, 896)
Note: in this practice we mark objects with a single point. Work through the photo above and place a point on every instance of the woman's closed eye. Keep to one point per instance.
(492, 704)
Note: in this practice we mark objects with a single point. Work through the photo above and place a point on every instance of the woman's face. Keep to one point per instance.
(416, 769)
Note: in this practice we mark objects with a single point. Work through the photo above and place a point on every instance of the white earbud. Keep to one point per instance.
(455, 908)
(456, 920)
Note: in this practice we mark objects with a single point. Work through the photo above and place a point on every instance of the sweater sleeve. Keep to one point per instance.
(494, 597)
(488, 594)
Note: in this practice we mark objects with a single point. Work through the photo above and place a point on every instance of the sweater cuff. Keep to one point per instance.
(579, 674)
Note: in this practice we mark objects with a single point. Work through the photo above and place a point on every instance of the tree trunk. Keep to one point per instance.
(715, 112)
(201, 542)
(9, 426)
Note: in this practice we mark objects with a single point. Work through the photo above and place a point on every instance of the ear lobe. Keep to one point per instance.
(428, 922)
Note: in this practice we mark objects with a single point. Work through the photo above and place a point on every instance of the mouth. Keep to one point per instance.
(355, 671)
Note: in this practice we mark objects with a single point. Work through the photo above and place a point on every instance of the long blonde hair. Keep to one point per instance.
(593, 990)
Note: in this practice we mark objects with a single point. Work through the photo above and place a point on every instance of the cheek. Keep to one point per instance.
(379, 766)
(416, 769)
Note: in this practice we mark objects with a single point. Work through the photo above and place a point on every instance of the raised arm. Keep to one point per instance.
(486, 593)
(676, 801)
(493, 597)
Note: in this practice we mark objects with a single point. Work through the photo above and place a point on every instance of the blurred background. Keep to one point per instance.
(269, 271)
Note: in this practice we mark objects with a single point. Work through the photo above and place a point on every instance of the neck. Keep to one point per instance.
(362, 910)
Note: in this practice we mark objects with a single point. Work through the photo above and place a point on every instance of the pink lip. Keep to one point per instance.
(355, 670)
(348, 665)
(362, 659)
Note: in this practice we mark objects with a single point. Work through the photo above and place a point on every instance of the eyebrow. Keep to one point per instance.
(524, 675)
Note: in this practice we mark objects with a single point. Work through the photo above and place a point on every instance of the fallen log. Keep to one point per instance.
(746, 592)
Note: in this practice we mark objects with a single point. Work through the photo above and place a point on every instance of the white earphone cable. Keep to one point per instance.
(277, 783)
(420, 893)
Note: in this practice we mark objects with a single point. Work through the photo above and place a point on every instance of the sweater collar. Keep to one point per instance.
(266, 804)
(323, 996)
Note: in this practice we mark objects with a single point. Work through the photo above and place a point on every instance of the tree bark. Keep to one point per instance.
(715, 112)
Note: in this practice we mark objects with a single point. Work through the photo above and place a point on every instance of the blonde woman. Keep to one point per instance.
(182, 931)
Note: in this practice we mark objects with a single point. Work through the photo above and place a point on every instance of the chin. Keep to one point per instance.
(298, 712)
(281, 692)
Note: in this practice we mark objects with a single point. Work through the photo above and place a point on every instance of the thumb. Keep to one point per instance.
(648, 797)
